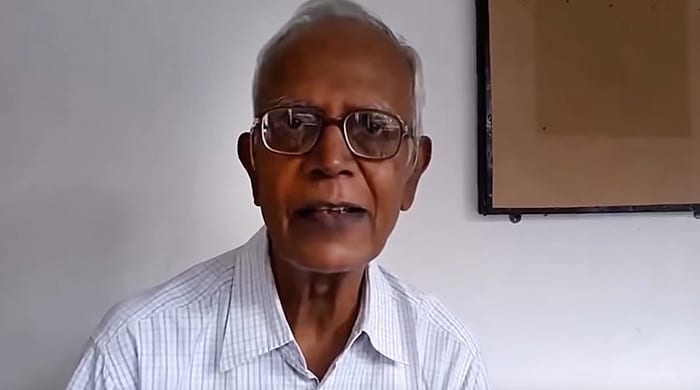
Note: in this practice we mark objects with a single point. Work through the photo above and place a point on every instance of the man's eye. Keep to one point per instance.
(294, 122)
(376, 127)
(298, 120)
(370, 123)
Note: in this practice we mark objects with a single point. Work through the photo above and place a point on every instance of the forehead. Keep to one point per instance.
(337, 62)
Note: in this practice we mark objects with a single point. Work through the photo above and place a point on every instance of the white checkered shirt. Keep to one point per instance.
(220, 325)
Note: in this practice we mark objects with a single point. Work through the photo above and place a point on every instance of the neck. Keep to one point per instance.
(321, 309)
(318, 303)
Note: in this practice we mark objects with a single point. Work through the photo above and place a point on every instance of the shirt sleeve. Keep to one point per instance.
(93, 372)
(455, 364)
(475, 378)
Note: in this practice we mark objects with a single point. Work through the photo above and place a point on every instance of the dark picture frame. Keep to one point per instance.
(485, 174)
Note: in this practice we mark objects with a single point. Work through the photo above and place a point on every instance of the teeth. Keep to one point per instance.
(334, 209)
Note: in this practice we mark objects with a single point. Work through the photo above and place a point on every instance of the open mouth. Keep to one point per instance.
(325, 208)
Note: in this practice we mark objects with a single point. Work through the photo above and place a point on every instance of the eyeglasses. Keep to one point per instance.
(369, 134)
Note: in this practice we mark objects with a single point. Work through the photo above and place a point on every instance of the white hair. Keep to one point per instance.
(318, 10)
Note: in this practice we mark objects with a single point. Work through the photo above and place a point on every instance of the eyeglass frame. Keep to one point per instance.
(327, 121)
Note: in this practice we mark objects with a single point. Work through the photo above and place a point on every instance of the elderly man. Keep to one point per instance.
(334, 155)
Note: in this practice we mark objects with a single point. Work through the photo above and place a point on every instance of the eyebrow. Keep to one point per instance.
(289, 101)
(294, 102)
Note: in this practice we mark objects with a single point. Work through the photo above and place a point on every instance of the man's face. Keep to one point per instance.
(328, 210)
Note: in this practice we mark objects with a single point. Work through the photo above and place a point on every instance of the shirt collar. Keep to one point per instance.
(380, 317)
(256, 325)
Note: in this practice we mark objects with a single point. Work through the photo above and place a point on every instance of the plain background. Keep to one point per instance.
(118, 122)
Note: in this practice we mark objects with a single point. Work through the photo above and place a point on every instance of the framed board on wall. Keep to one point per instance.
(588, 106)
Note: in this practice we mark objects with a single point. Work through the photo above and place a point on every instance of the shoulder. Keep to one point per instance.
(447, 352)
(434, 317)
(142, 324)
(193, 290)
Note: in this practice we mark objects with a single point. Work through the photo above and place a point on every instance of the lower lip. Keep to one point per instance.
(332, 220)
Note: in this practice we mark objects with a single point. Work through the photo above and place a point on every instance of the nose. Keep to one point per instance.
(330, 156)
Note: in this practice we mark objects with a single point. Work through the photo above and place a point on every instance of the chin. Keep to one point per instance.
(322, 259)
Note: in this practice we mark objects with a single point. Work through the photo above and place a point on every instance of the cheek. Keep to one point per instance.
(275, 183)
(387, 185)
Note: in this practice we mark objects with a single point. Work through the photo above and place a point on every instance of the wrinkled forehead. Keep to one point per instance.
(340, 55)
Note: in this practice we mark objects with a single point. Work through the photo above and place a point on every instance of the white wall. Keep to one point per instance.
(118, 122)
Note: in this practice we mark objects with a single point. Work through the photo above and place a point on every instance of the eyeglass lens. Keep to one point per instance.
(369, 133)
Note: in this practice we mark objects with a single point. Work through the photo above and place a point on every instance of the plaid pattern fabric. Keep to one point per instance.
(220, 325)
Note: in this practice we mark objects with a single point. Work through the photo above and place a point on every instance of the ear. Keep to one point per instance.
(424, 154)
(245, 155)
